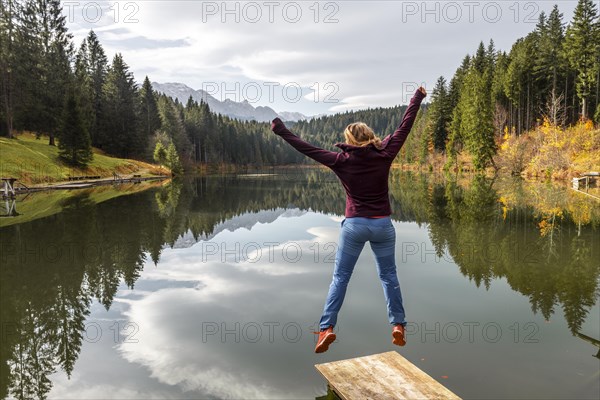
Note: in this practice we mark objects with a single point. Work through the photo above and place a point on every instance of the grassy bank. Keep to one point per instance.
(45, 203)
(32, 161)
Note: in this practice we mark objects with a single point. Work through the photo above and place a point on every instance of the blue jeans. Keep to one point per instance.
(380, 233)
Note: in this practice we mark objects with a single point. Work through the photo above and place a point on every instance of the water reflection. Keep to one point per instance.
(590, 340)
(541, 239)
(545, 246)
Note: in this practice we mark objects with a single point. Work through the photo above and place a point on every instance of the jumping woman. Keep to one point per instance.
(363, 168)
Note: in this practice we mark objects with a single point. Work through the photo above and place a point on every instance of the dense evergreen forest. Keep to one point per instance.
(57, 89)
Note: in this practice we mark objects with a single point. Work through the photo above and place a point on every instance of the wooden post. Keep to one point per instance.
(11, 207)
(8, 189)
(587, 183)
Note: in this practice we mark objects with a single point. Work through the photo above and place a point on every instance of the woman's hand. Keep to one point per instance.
(276, 122)
(422, 90)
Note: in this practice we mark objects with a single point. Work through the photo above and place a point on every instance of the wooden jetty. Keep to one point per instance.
(83, 177)
(73, 186)
(380, 377)
(586, 180)
(76, 184)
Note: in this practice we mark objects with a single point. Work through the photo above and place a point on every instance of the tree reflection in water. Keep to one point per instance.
(543, 239)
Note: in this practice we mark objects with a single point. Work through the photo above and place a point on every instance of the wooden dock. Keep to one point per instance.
(586, 181)
(83, 184)
(381, 376)
(74, 186)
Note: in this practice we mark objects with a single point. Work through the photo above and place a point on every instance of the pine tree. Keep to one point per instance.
(120, 114)
(454, 93)
(438, 115)
(207, 126)
(26, 67)
(519, 80)
(173, 161)
(480, 60)
(491, 56)
(581, 46)
(160, 154)
(71, 310)
(40, 56)
(172, 123)
(7, 64)
(550, 63)
(97, 71)
(193, 128)
(149, 118)
(74, 142)
(83, 87)
(57, 51)
(476, 118)
(501, 103)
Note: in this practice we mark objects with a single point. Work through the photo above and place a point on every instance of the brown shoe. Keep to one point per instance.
(326, 337)
(398, 335)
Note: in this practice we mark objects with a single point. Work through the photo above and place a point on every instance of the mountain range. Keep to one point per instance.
(241, 110)
(246, 221)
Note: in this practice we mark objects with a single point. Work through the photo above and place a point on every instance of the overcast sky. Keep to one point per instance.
(306, 56)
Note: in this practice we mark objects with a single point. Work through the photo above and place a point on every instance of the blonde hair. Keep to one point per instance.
(360, 134)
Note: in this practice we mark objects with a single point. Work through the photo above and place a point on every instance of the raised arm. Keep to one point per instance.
(394, 144)
(324, 157)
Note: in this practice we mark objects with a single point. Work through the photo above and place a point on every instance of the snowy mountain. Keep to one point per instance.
(292, 116)
(246, 220)
(241, 110)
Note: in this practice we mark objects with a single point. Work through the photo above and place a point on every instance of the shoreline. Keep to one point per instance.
(566, 177)
(83, 184)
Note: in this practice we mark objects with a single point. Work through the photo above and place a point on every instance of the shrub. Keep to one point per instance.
(514, 152)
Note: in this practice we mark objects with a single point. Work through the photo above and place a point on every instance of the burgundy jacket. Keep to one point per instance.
(363, 171)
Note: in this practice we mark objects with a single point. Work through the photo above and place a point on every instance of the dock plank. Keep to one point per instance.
(74, 186)
(381, 376)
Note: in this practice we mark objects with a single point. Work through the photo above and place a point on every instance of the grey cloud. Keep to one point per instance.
(371, 50)
(140, 42)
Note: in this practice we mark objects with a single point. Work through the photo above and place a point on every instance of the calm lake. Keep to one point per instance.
(211, 288)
